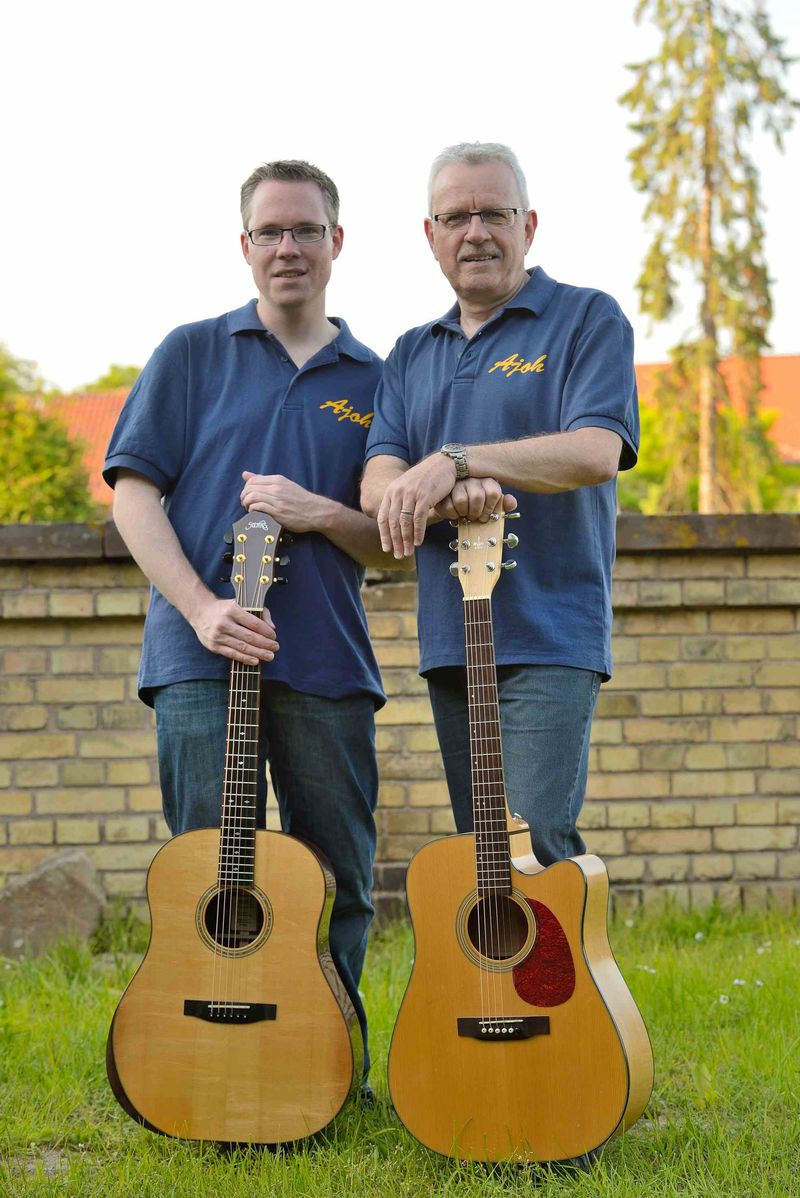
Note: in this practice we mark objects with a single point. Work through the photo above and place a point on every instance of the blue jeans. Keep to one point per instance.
(321, 756)
(546, 719)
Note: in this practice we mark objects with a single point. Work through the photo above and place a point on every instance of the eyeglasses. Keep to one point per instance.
(498, 218)
(302, 234)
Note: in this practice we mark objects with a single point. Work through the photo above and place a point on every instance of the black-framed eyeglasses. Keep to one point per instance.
(498, 218)
(302, 234)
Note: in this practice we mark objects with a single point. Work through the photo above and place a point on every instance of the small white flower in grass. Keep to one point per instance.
(759, 982)
(723, 998)
(628, 923)
(739, 982)
(699, 936)
(646, 968)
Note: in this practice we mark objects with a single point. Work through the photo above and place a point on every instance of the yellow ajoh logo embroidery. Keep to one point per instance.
(346, 411)
(515, 363)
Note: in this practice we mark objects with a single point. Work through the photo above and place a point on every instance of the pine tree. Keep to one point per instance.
(719, 72)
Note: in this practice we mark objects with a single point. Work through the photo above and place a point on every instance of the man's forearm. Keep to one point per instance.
(154, 546)
(221, 625)
(550, 463)
(357, 535)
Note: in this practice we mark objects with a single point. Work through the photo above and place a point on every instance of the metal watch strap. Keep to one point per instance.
(458, 455)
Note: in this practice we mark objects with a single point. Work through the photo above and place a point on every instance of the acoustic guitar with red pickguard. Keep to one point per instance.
(517, 1038)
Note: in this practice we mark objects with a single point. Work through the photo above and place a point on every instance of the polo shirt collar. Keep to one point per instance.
(533, 297)
(246, 319)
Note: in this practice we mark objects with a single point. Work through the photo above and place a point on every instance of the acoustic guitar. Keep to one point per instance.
(517, 1038)
(236, 1026)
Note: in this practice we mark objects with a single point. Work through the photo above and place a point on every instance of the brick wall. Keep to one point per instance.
(694, 787)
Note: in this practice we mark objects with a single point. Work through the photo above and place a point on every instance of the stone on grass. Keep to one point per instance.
(61, 897)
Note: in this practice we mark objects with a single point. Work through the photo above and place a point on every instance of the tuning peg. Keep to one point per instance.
(228, 538)
(513, 515)
(512, 565)
(512, 540)
(453, 545)
(282, 561)
(280, 581)
(227, 557)
(286, 538)
(454, 569)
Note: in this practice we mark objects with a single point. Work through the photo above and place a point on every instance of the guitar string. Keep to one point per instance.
(486, 914)
(247, 790)
(494, 929)
(500, 831)
(473, 742)
(243, 707)
(247, 712)
(477, 812)
(224, 833)
(488, 723)
(485, 757)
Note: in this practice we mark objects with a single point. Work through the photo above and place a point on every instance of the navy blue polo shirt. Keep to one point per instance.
(555, 358)
(221, 396)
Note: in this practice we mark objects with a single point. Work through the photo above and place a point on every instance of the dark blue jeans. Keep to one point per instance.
(321, 757)
(546, 719)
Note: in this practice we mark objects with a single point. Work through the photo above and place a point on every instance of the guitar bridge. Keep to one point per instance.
(229, 1012)
(495, 1029)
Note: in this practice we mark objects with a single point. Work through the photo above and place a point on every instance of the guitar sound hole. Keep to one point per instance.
(234, 918)
(497, 927)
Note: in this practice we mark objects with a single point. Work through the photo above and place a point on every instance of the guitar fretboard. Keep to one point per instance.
(239, 789)
(486, 752)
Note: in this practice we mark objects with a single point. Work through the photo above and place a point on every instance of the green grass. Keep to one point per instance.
(724, 1120)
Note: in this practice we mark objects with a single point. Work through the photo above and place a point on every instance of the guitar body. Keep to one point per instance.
(257, 1043)
(552, 1057)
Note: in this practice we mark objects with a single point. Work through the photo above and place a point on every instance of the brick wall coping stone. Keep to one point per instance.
(690, 533)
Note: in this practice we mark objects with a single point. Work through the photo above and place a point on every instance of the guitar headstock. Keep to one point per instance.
(254, 553)
(480, 553)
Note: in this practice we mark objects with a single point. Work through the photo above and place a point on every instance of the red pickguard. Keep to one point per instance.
(546, 978)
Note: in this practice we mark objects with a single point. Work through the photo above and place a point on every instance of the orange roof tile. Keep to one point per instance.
(780, 374)
(90, 418)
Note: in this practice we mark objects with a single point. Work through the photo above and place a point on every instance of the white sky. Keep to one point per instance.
(129, 128)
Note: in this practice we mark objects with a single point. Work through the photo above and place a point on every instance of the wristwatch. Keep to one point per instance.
(457, 454)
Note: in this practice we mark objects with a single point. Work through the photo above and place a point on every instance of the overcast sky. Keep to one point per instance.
(129, 128)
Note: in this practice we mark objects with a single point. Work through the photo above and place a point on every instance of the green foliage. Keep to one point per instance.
(17, 376)
(718, 73)
(116, 376)
(666, 480)
(44, 478)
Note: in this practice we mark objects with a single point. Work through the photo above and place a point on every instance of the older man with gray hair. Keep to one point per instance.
(523, 394)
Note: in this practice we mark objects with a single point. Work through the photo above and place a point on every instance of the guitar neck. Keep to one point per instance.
(486, 752)
(240, 784)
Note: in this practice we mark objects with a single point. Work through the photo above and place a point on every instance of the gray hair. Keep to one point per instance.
(290, 170)
(475, 153)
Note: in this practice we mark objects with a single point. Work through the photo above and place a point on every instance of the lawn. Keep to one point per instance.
(720, 992)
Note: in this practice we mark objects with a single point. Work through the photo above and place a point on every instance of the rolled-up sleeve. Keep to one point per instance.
(600, 389)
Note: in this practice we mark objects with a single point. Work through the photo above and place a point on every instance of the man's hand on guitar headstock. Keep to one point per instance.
(226, 628)
(474, 499)
(295, 508)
